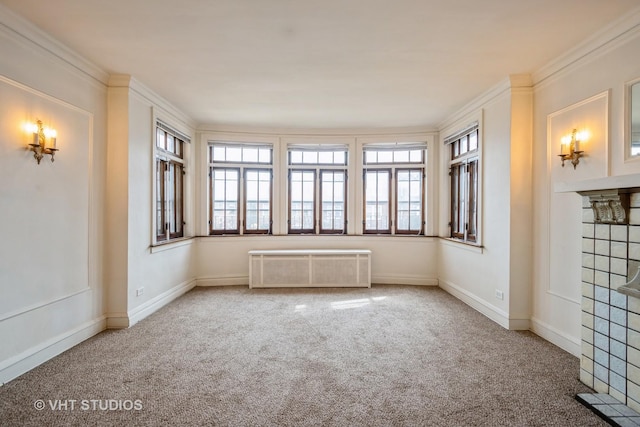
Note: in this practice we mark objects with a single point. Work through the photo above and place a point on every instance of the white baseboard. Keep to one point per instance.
(492, 312)
(153, 305)
(567, 343)
(236, 280)
(404, 280)
(223, 281)
(29, 359)
(117, 320)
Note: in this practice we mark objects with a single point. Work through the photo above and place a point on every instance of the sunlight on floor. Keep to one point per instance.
(341, 305)
(354, 303)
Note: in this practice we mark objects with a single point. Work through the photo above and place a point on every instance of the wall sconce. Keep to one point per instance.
(573, 142)
(44, 140)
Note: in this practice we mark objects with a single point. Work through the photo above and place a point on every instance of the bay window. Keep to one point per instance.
(394, 188)
(317, 190)
(240, 188)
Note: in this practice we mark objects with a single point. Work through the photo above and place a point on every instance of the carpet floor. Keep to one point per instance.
(230, 356)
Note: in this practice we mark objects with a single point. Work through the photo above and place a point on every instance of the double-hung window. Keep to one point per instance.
(463, 171)
(240, 188)
(317, 189)
(394, 188)
(170, 186)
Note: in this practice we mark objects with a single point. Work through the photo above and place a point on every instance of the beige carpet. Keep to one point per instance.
(385, 356)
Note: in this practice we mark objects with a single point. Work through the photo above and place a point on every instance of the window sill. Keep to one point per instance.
(462, 245)
(172, 244)
(295, 235)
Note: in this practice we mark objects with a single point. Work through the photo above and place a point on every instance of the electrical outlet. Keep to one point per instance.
(139, 291)
(499, 294)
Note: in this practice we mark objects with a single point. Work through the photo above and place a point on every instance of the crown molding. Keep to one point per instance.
(613, 35)
(21, 30)
(304, 132)
(129, 82)
(478, 103)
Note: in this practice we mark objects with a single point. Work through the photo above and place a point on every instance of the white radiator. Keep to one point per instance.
(314, 268)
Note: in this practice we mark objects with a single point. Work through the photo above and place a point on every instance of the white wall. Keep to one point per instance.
(500, 262)
(77, 232)
(165, 271)
(51, 258)
(398, 260)
(611, 61)
(223, 260)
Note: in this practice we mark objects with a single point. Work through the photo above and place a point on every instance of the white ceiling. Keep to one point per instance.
(321, 63)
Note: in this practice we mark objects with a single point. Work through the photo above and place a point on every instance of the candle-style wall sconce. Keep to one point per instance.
(43, 140)
(572, 151)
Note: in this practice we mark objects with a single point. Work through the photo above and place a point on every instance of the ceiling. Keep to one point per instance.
(321, 63)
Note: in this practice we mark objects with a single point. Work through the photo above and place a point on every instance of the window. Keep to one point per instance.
(240, 188)
(463, 170)
(394, 188)
(317, 190)
(170, 188)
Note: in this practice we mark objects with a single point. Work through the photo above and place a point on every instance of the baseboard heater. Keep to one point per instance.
(312, 268)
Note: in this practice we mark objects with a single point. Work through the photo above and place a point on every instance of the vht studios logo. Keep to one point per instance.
(88, 405)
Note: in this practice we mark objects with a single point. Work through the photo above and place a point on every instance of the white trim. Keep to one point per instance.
(117, 320)
(492, 312)
(251, 132)
(403, 280)
(224, 280)
(126, 320)
(171, 113)
(172, 244)
(601, 95)
(555, 336)
(566, 298)
(37, 306)
(628, 111)
(48, 97)
(286, 252)
(243, 280)
(454, 243)
(155, 304)
(21, 30)
(91, 218)
(478, 104)
(608, 38)
(36, 355)
(607, 183)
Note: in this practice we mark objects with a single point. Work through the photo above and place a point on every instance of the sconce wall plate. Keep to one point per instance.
(39, 144)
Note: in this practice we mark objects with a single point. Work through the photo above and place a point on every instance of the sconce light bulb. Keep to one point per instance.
(50, 133)
(582, 136)
(566, 140)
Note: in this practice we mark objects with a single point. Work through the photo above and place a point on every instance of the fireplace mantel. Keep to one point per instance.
(619, 182)
(608, 197)
(610, 219)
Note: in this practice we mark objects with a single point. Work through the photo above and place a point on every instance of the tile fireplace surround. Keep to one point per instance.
(610, 362)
